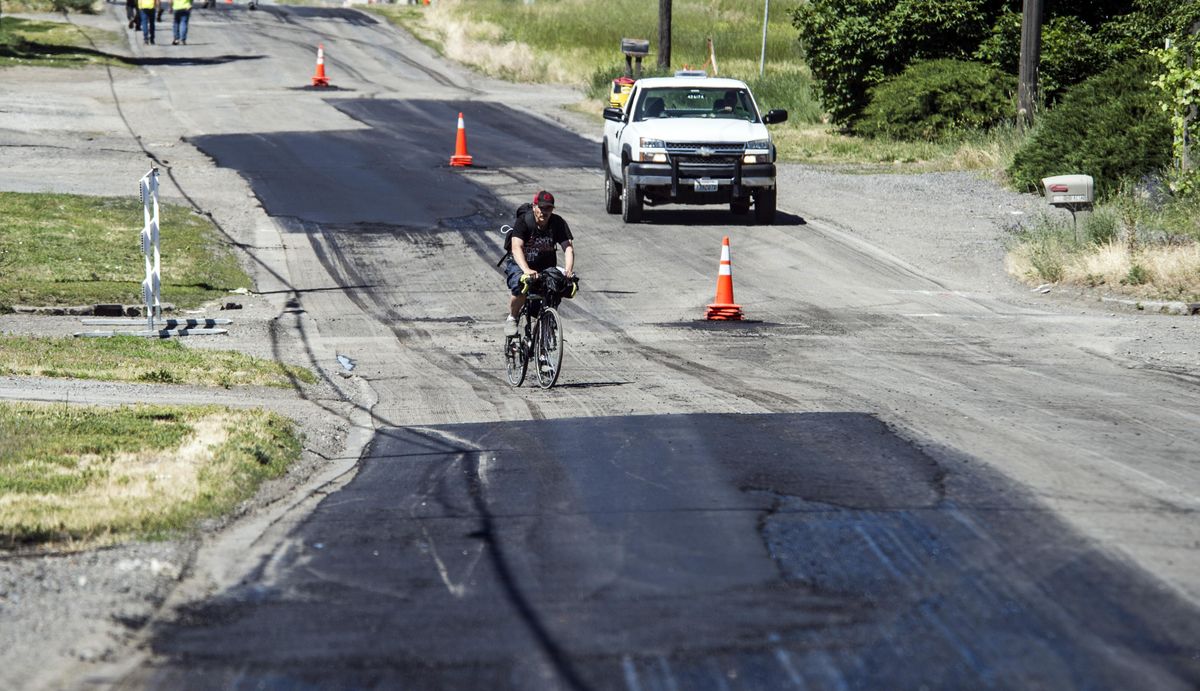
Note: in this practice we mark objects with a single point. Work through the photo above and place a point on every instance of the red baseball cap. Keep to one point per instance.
(543, 198)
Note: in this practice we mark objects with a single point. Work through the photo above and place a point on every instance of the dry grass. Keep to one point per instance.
(75, 477)
(1168, 272)
(481, 45)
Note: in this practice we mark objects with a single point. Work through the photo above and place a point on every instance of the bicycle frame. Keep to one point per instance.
(539, 341)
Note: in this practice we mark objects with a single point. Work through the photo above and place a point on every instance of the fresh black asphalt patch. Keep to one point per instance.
(698, 551)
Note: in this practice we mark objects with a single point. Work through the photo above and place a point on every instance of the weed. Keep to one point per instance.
(1137, 276)
(157, 376)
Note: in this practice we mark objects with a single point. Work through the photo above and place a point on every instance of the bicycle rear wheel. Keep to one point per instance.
(516, 361)
(548, 347)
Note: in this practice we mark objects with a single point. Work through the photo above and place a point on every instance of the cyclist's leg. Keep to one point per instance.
(512, 278)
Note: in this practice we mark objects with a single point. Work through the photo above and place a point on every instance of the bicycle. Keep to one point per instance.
(541, 339)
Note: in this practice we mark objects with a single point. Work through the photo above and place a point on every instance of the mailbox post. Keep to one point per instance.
(1075, 193)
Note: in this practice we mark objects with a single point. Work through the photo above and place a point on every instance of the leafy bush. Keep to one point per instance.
(1147, 25)
(1109, 127)
(939, 99)
(853, 46)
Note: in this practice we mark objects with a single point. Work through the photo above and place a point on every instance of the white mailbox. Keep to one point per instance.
(1072, 192)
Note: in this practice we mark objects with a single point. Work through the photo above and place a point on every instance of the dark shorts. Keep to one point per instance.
(512, 274)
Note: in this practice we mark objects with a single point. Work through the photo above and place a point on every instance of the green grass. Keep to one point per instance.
(578, 42)
(61, 249)
(136, 359)
(53, 44)
(76, 476)
(817, 144)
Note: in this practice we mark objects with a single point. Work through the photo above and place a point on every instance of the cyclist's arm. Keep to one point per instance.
(518, 255)
(568, 257)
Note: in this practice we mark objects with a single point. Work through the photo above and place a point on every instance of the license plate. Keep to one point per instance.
(706, 185)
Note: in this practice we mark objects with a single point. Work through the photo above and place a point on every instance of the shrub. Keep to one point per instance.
(939, 99)
(1109, 126)
(853, 46)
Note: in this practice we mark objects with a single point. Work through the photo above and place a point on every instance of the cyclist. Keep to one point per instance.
(534, 237)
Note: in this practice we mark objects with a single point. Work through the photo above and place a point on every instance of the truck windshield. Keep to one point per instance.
(695, 102)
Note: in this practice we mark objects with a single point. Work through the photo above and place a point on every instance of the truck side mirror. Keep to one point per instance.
(614, 114)
(775, 117)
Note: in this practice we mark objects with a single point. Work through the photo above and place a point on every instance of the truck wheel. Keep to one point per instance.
(764, 206)
(631, 202)
(612, 194)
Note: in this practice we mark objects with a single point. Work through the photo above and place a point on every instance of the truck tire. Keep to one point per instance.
(764, 206)
(631, 201)
(612, 193)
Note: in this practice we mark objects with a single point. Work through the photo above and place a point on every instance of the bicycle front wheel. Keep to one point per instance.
(516, 361)
(548, 346)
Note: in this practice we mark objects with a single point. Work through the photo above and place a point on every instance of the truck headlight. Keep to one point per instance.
(649, 156)
(757, 151)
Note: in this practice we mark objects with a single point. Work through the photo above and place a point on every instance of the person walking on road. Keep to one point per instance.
(534, 237)
(148, 9)
(182, 9)
(133, 14)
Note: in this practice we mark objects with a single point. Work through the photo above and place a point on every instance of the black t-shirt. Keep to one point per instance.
(540, 244)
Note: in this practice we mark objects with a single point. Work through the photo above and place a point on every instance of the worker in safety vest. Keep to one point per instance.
(183, 11)
(148, 9)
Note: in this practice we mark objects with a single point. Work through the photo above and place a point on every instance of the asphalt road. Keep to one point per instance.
(881, 480)
(715, 551)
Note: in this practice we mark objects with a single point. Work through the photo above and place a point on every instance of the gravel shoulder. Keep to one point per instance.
(60, 131)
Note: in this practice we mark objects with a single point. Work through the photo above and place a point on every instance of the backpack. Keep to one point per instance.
(522, 210)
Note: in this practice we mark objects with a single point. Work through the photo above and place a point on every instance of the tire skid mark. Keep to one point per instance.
(346, 275)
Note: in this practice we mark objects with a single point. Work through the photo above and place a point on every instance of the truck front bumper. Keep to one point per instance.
(670, 175)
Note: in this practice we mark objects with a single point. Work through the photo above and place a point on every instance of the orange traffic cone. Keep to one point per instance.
(723, 308)
(460, 157)
(319, 78)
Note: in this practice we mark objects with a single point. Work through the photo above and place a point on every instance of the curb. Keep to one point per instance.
(99, 310)
(1157, 306)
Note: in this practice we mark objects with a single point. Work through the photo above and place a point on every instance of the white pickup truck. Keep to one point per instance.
(689, 139)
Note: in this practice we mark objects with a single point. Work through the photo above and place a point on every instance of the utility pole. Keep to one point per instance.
(1031, 50)
(762, 58)
(664, 34)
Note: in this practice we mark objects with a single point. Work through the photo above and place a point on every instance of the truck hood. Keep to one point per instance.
(683, 130)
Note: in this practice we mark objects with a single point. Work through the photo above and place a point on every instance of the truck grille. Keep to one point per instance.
(705, 153)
